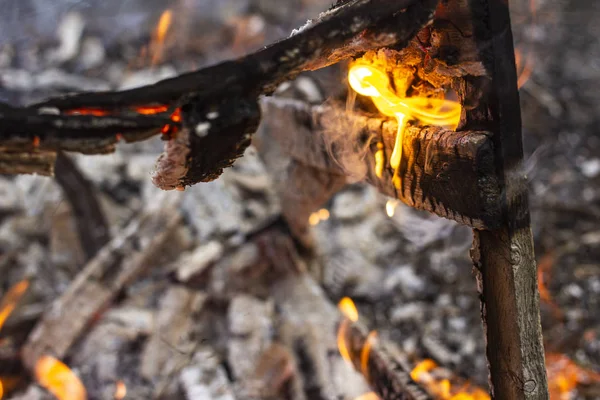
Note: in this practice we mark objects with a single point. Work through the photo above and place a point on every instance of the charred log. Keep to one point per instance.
(387, 375)
(451, 174)
(347, 30)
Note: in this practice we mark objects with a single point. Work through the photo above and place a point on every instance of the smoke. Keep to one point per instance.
(346, 137)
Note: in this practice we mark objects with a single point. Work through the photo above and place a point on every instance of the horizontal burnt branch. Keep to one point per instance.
(215, 104)
(342, 32)
(448, 173)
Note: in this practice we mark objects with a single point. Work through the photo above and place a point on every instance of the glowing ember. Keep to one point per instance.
(564, 376)
(390, 207)
(97, 112)
(316, 217)
(160, 33)
(120, 390)
(374, 83)
(442, 388)
(150, 110)
(368, 396)
(58, 379)
(1, 389)
(10, 300)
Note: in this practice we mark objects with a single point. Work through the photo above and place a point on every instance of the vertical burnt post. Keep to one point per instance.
(504, 258)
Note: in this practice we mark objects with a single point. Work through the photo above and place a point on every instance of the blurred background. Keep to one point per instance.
(409, 273)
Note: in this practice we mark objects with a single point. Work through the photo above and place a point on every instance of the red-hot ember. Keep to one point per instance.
(151, 110)
(97, 112)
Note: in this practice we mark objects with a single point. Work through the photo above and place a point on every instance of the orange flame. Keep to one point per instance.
(524, 62)
(97, 112)
(120, 390)
(365, 352)
(1, 389)
(150, 110)
(160, 33)
(10, 300)
(347, 307)
(442, 388)
(374, 83)
(368, 396)
(58, 379)
(564, 376)
(544, 268)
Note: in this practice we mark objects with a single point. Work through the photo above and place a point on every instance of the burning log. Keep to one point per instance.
(448, 173)
(388, 375)
(218, 104)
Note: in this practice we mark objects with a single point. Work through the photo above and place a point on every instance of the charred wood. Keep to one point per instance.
(388, 376)
(91, 223)
(121, 261)
(212, 138)
(451, 174)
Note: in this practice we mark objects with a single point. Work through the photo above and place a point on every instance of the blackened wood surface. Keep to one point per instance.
(387, 375)
(448, 173)
(92, 227)
(342, 32)
(504, 258)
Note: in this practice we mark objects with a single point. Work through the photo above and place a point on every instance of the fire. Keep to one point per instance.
(160, 33)
(390, 207)
(374, 83)
(442, 388)
(10, 300)
(347, 307)
(368, 396)
(58, 379)
(316, 217)
(564, 376)
(120, 390)
(151, 110)
(544, 268)
(96, 112)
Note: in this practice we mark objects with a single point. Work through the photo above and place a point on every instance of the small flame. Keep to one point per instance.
(58, 379)
(374, 83)
(442, 388)
(543, 274)
(1, 389)
(390, 207)
(365, 352)
(10, 300)
(347, 307)
(120, 390)
(524, 62)
(564, 376)
(160, 33)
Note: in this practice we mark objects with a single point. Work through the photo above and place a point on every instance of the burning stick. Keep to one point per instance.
(219, 103)
(387, 375)
(449, 173)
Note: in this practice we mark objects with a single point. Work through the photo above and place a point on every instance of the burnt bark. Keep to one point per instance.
(451, 174)
(504, 258)
(387, 375)
(347, 30)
